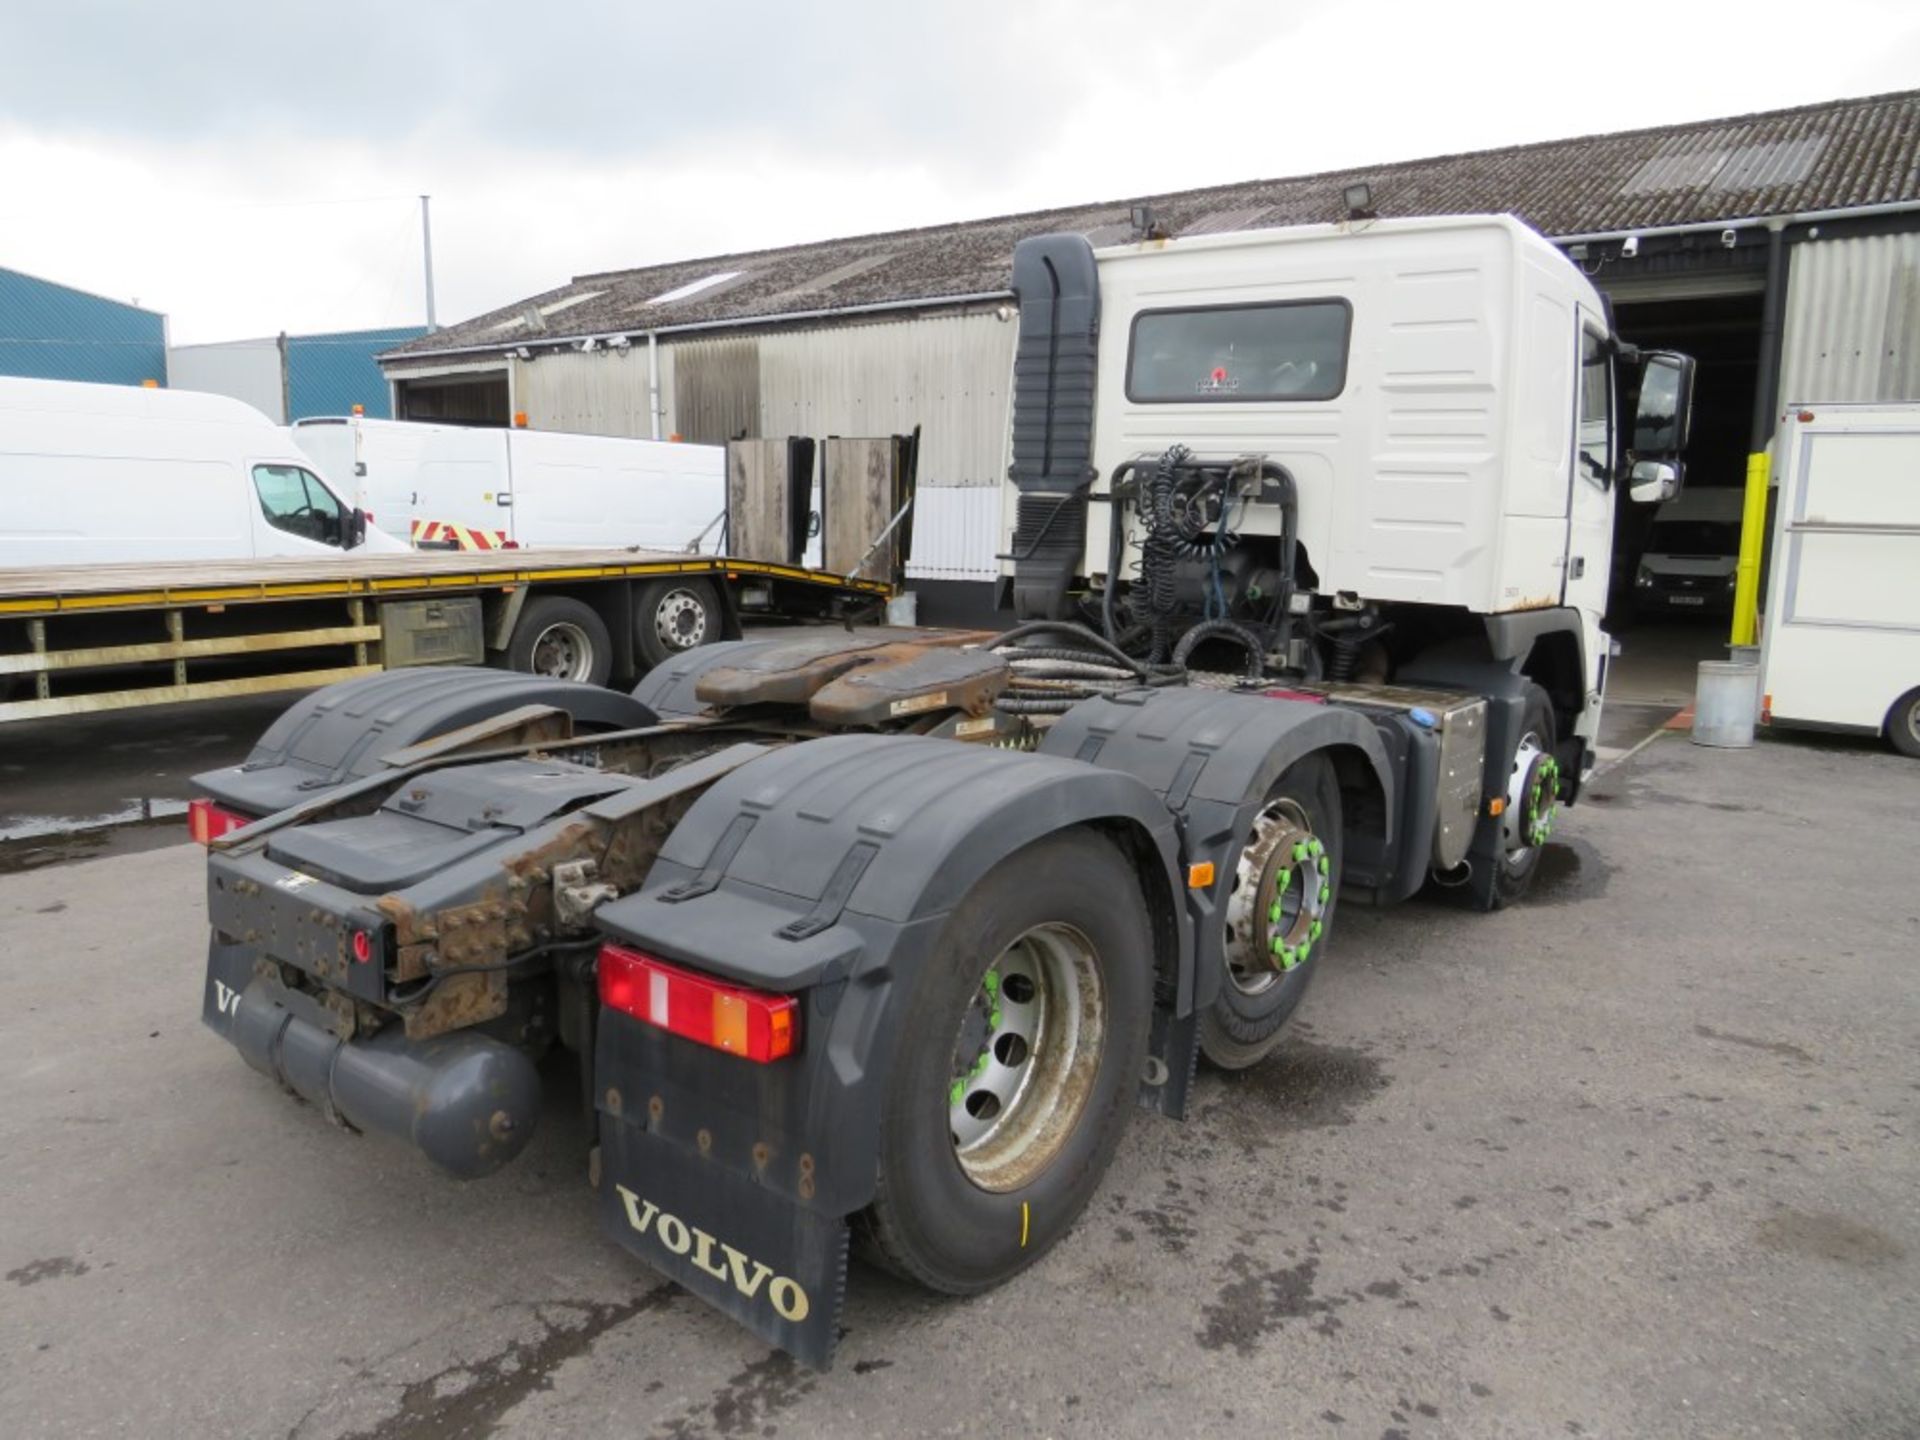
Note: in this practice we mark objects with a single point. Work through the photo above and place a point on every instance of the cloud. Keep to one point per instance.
(249, 168)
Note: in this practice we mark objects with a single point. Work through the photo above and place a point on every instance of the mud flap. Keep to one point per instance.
(1173, 1055)
(778, 1269)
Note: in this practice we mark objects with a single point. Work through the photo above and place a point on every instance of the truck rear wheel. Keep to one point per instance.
(993, 1140)
(1903, 724)
(671, 617)
(1278, 914)
(562, 639)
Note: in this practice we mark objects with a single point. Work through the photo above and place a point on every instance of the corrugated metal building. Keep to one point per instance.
(50, 331)
(292, 377)
(1782, 249)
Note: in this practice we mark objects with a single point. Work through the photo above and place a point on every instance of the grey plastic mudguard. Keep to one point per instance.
(340, 733)
(667, 689)
(1211, 756)
(830, 866)
(827, 871)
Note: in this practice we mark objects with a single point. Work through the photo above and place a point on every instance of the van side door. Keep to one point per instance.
(295, 513)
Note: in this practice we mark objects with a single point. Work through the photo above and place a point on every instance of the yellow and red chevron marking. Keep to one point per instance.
(446, 535)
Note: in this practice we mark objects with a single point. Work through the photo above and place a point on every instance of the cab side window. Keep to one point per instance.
(1596, 410)
(294, 500)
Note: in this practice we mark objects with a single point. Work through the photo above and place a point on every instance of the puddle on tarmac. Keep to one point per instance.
(32, 842)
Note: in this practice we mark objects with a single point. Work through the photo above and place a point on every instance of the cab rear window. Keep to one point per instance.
(1286, 350)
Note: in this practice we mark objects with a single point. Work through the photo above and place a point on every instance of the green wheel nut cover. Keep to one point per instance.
(994, 1018)
(1326, 893)
(1316, 847)
(1313, 931)
(1273, 915)
(1279, 947)
(980, 1065)
(1300, 851)
(957, 1093)
(992, 981)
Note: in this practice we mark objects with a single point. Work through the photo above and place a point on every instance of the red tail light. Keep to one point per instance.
(750, 1023)
(207, 822)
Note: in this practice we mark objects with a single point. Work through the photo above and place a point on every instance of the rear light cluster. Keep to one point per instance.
(207, 822)
(750, 1023)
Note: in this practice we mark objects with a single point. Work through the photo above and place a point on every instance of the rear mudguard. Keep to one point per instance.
(341, 733)
(826, 870)
(1211, 756)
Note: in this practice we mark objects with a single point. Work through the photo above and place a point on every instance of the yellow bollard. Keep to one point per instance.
(1753, 535)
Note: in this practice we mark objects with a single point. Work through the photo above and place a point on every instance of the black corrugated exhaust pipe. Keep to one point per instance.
(469, 1104)
(1054, 369)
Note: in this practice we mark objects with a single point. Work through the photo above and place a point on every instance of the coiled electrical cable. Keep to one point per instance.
(1072, 665)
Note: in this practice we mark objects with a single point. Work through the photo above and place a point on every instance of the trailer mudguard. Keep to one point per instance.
(667, 689)
(825, 871)
(341, 733)
(1211, 756)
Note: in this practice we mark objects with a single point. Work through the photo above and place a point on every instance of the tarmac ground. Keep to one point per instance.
(1636, 1157)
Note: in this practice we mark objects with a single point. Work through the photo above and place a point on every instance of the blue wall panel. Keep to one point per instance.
(52, 332)
(330, 374)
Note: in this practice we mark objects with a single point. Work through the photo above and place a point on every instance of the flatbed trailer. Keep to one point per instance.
(79, 639)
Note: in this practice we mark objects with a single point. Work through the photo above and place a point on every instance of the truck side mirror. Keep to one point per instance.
(356, 529)
(1664, 414)
(1654, 481)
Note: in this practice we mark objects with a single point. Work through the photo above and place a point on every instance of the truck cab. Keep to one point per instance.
(1438, 407)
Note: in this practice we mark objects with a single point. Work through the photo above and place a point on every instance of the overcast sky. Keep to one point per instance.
(249, 167)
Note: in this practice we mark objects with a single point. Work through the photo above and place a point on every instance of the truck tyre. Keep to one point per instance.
(1026, 1041)
(1533, 804)
(562, 639)
(671, 617)
(1278, 914)
(1903, 724)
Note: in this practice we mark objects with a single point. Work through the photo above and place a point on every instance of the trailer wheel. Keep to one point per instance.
(562, 639)
(1533, 805)
(1278, 914)
(1903, 724)
(671, 617)
(992, 1142)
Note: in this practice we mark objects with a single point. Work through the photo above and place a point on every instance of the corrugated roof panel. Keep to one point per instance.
(1225, 222)
(1753, 166)
(838, 275)
(1842, 154)
(1681, 171)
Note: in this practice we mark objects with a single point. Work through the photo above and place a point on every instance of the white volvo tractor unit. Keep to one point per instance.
(884, 934)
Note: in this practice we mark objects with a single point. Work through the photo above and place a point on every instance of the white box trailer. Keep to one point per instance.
(1841, 646)
(535, 488)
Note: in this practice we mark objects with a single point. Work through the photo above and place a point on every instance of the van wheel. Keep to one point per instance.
(1903, 724)
(561, 639)
(1278, 915)
(671, 617)
(992, 1142)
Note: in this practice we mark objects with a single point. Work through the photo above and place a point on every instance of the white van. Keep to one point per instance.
(105, 474)
(531, 487)
(1691, 555)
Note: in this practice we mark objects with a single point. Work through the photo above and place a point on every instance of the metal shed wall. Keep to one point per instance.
(330, 374)
(247, 370)
(603, 392)
(1852, 327)
(947, 374)
(54, 332)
